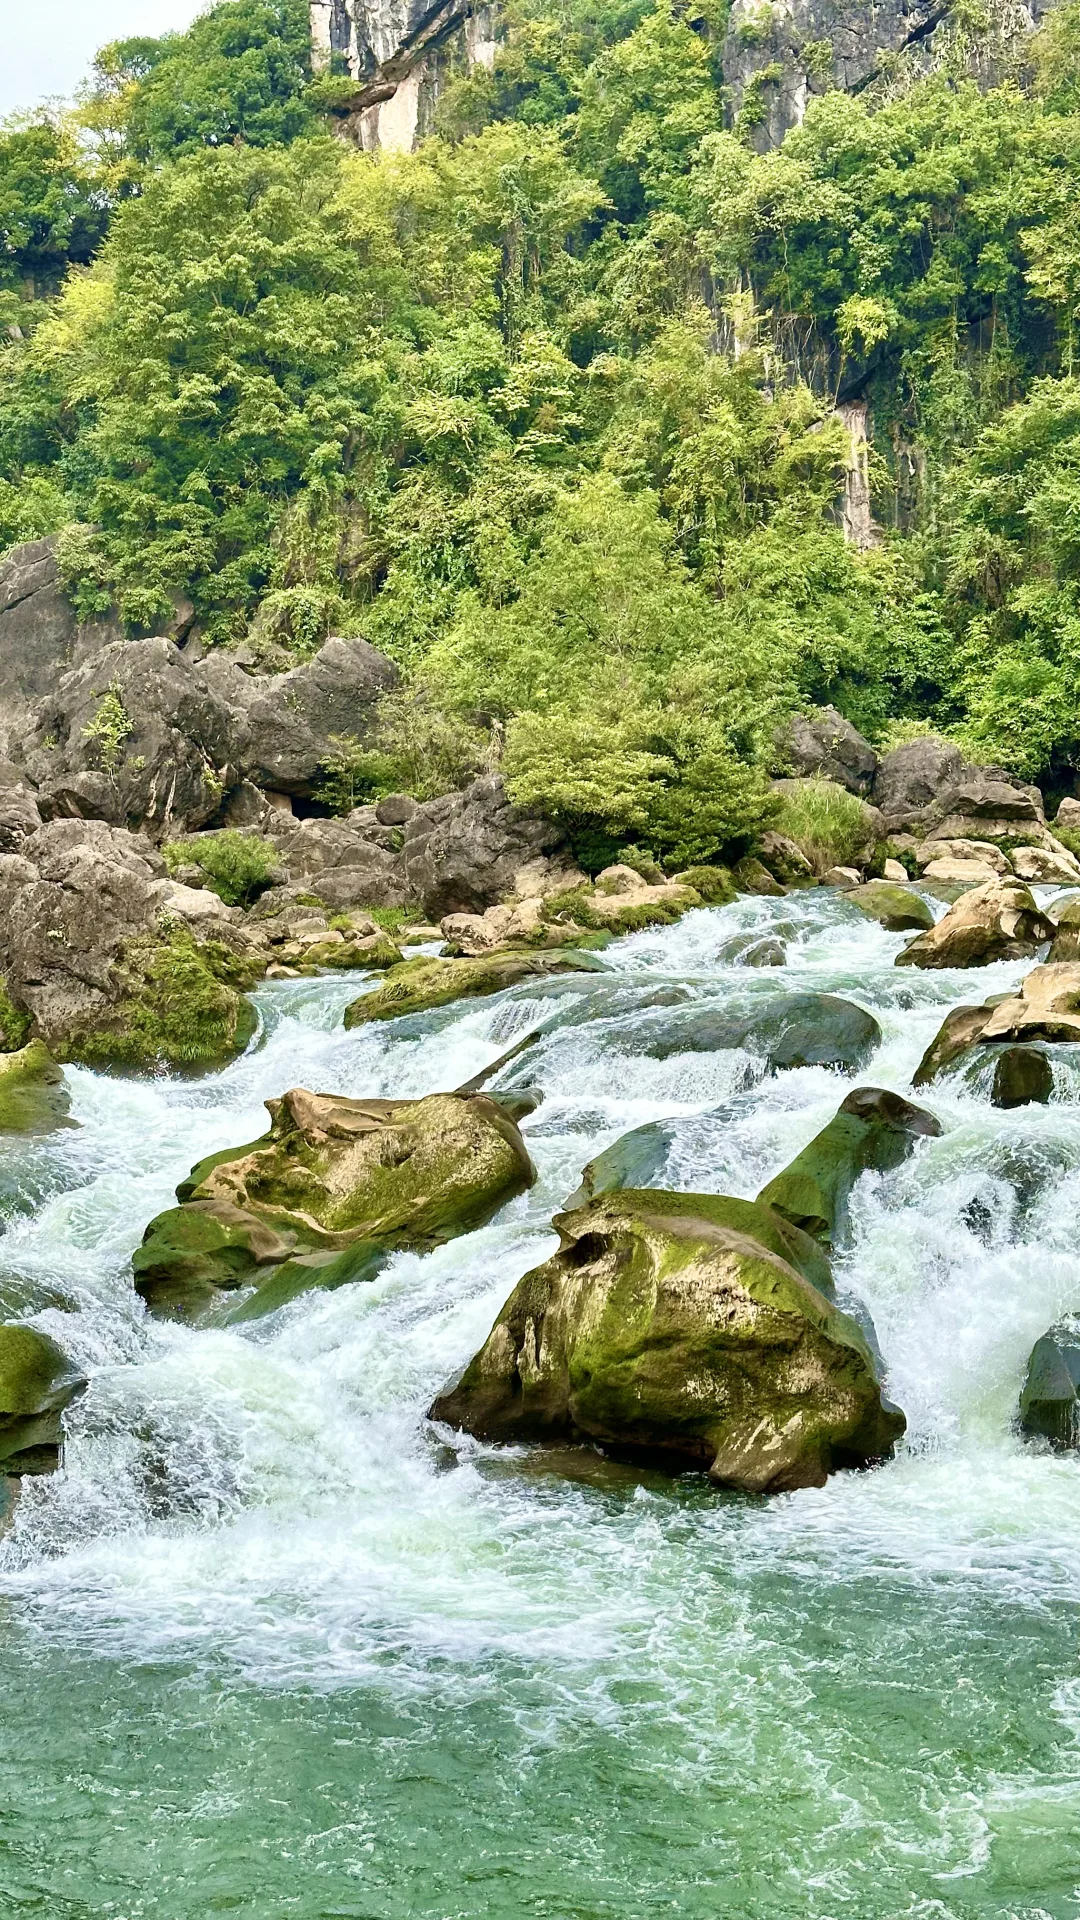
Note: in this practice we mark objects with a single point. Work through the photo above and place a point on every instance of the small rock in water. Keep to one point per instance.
(1022, 1075)
(1048, 1399)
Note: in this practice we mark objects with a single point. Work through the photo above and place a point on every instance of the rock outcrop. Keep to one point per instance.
(467, 851)
(325, 1197)
(94, 950)
(686, 1329)
(996, 921)
(40, 636)
(398, 57)
(286, 725)
(825, 745)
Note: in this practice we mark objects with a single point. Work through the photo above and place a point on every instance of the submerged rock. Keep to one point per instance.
(686, 1329)
(418, 985)
(895, 908)
(37, 1381)
(1048, 1398)
(872, 1131)
(997, 921)
(789, 1030)
(752, 950)
(322, 1199)
(33, 1096)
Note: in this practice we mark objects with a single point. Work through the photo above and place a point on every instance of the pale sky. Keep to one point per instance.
(47, 52)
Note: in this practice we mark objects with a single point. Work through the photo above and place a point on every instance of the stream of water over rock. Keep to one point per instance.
(269, 1647)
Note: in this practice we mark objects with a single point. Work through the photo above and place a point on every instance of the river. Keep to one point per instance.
(270, 1647)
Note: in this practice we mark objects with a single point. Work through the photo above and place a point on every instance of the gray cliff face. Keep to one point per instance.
(779, 53)
(399, 52)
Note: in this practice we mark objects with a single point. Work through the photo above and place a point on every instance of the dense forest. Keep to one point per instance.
(547, 410)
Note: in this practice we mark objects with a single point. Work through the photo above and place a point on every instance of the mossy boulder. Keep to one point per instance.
(714, 885)
(323, 1198)
(1066, 942)
(752, 876)
(896, 908)
(634, 1160)
(179, 1003)
(685, 1330)
(998, 921)
(416, 986)
(872, 1131)
(1049, 1404)
(374, 952)
(33, 1096)
(789, 1030)
(37, 1381)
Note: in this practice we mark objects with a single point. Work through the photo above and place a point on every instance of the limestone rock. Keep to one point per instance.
(959, 873)
(895, 908)
(824, 744)
(784, 860)
(419, 985)
(1066, 944)
(978, 852)
(287, 723)
(960, 1030)
(752, 876)
(466, 851)
(1043, 866)
(40, 637)
(683, 1328)
(842, 877)
(874, 1130)
(1068, 816)
(911, 777)
(1046, 1008)
(895, 870)
(326, 1196)
(343, 864)
(996, 921)
(37, 1381)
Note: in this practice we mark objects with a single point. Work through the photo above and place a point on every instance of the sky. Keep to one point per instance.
(46, 53)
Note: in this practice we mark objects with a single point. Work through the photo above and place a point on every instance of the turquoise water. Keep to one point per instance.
(269, 1646)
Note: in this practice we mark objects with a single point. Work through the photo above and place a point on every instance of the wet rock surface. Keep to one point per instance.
(685, 1329)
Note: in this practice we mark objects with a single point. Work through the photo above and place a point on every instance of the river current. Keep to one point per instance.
(270, 1647)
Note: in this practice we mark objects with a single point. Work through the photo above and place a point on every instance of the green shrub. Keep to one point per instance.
(831, 826)
(238, 866)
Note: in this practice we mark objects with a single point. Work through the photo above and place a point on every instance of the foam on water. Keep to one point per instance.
(268, 1502)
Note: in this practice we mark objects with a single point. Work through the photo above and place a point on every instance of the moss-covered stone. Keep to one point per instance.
(894, 907)
(416, 986)
(33, 1096)
(958, 1032)
(36, 1383)
(14, 1023)
(752, 876)
(180, 1005)
(375, 952)
(333, 1177)
(616, 914)
(677, 1328)
(1023, 1076)
(1066, 942)
(873, 1131)
(997, 921)
(714, 884)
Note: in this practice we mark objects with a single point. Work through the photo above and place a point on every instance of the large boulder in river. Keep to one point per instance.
(287, 725)
(1050, 1396)
(684, 1328)
(419, 985)
(787, 1029)
(326, 1196)
(997, 921)
(823, 744)
(95, 948)
(873, 1131)
(135, 737)
(37, 1381)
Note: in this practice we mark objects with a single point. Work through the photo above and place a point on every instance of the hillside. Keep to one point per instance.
(691, 370)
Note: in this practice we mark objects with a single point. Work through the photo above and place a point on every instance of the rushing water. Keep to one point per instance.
(269, 1647)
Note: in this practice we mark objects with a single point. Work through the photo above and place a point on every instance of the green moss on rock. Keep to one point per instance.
(416, 986)
(33, 1096)
(333, 1177)
(36, 1383)
(873, 1131)
(14, 1024)
(714, 884)
(676, 1328)
(894, 907)
(180, 1005)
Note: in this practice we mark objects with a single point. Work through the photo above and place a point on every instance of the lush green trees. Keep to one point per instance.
(547, 408)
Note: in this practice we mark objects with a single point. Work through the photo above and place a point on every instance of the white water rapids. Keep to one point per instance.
(853, 1701)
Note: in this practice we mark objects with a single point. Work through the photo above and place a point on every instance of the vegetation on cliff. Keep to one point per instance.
(547, 409)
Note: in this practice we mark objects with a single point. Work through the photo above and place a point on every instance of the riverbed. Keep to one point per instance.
(271, 1646)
